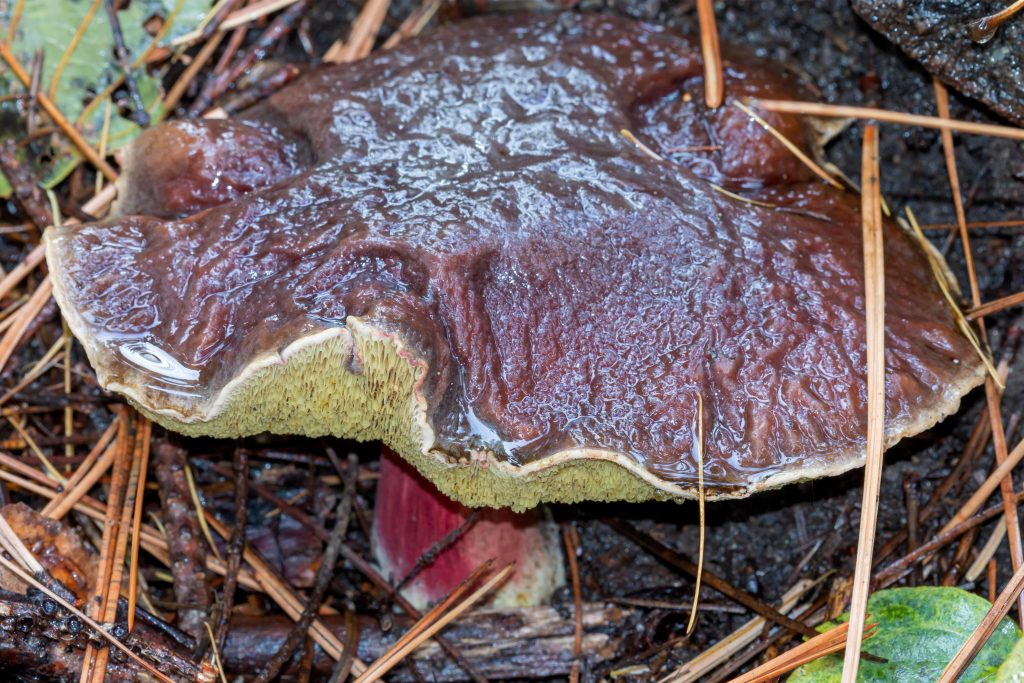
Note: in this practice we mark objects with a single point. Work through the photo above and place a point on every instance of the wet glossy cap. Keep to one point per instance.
(456, 251)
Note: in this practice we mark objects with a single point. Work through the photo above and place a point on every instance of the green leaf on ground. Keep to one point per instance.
(919, 631)
(1012, 670)
(76, 40)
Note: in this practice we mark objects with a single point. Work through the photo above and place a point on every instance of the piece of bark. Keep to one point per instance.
(184, 538)
(935, 33)
(529, 642)
(41, 641)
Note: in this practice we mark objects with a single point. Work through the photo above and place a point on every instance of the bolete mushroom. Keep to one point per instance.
(457, 252)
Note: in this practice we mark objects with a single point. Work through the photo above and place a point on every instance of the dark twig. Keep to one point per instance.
(139, 114)
(344, 666)
(892, 572)
(214, 23)
(674, 559)
(365, 568)
(278, 28)
(323, 578)
(262, 90)
(445, 542)
(185, 540)
(27, 193)
(236, 546)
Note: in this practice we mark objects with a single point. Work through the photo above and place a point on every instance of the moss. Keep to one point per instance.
(364, 384)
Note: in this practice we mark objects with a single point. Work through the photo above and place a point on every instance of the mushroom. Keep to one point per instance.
(427, 543)
(452, 248)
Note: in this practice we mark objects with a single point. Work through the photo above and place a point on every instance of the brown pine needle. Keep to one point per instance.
(269, 583)
(439, 610)
(714, 84)
(942, 104)
(24, 319)
(993, 389)
(36, 451)
(396, 653)
(51, 109)
(142, 454)
(981, 634)
(99, 630)
(364, 31)
(698, 668)
(200, 513)
(699, 447)
(941, 278)
(889, 116)
(628, 134)
(12, 28)
(982, 30)
(995, 306)
(874, 313)
(788, 144)
(189, 74)
(49, 359)
(86, 476)
(975, 225)
(987, 488)
(827, 643)
(240, 17)
(413, 24)
(13, 545)
(18, 273)
(572, 544)
(94, 663)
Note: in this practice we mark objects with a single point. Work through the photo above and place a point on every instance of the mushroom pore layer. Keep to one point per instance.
(456, 251)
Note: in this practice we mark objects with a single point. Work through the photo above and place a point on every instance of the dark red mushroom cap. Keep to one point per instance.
(472, 263)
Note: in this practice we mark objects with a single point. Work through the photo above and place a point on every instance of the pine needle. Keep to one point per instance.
(939, 271)
(970, 649)
(714, 84)
(200, 513)
(699, 431)
(827, 643)
(889, 116)
(991, 307)
(993, 389)
(364, 31)
(99, 630)
(874, 313)
(427, 626)
(23, 320)
(51, 109)
(216, 654)
(628, 134)
(572, 544)
(142, 455)
(791, 146)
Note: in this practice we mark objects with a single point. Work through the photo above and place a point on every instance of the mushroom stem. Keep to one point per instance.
(415, 523)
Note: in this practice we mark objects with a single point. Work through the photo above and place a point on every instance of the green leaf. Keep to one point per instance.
(919, 631)
(1012, 670)
(90, 68)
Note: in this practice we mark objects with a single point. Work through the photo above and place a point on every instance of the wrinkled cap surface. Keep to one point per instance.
(455, 250)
